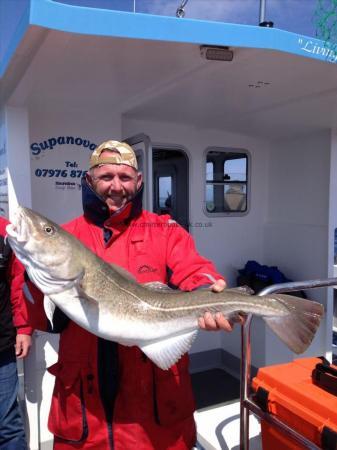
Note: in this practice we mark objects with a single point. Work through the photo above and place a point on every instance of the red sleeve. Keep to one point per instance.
(190, 270)
(34, 303)
(16, 280)
(19, 307)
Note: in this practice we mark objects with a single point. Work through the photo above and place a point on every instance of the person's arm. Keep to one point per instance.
(19, 309)
(191, 271)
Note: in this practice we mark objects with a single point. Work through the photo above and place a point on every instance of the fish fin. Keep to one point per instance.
(157, 286)
(123, 272)
(49, 308)
(296, 329)
(241, 290)
(82, 294)
(165, 353)
(79, 285)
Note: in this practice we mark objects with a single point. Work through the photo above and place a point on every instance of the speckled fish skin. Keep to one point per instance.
(106, 301)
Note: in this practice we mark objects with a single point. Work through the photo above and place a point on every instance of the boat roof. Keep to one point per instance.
(105, 22)
(150, 66)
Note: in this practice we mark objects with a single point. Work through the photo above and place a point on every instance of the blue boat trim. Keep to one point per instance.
(103, 22)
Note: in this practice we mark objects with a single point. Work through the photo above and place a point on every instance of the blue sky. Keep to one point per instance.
(291, 15)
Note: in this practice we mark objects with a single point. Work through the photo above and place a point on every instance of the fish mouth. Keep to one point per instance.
(18, 229)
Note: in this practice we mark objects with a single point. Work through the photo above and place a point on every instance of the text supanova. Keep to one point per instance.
(49, 144)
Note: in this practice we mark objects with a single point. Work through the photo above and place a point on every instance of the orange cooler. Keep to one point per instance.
(303, 395)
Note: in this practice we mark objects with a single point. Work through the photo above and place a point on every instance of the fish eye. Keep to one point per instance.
(49, 229)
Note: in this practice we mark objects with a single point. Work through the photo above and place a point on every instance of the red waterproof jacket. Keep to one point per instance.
(12, 305)
(108, 396)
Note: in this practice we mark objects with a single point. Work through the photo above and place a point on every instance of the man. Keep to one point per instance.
(108, 396)
(15, 341)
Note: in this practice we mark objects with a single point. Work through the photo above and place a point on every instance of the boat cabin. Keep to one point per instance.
(234, 126)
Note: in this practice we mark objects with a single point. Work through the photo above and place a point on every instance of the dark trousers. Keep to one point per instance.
(12, 434)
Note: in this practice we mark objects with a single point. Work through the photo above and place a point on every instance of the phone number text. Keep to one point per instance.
(60, 173)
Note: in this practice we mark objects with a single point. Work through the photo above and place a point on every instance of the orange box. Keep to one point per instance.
(288, 392)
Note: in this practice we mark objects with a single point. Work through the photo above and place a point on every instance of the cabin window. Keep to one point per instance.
(170, 184)
(226, 182)
(165, 193)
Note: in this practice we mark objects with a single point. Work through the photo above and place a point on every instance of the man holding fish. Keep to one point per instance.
(111, 396)
(122, 376)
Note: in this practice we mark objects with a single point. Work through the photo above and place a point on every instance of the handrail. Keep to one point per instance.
(246, 403)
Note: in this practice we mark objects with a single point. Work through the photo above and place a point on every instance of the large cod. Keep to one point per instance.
(108, 302)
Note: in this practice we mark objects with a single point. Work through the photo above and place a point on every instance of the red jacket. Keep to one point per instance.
(16, 280)
(148, 408)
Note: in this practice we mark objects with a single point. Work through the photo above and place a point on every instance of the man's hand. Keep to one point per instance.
(217, 321)
(219, 286)
(22, 345)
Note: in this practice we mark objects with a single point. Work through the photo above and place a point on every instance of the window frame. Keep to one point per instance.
(248, 184)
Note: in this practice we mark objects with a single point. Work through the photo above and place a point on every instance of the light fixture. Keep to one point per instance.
(216, 53)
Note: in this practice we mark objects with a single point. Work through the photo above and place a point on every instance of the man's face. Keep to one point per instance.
(115, 183)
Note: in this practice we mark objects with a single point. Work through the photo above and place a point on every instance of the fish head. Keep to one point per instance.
(45, 249)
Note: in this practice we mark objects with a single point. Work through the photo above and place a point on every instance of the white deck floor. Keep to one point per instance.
(219, 428)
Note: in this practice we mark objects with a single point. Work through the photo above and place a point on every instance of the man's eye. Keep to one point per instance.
(125, 179)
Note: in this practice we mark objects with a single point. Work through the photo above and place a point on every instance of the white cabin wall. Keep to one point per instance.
(16, 144)
(96, 126)
(231, 241)
(296, 230)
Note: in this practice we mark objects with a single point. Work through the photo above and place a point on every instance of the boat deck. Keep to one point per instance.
(218, 412)
(214, 387)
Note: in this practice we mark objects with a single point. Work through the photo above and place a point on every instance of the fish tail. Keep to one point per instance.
(296, 329)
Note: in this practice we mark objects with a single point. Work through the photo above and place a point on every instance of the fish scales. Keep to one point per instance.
(173, 304)
(107, 301)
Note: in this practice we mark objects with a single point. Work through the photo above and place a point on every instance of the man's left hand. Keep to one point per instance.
(22, 345)
(219, 286)
(217, 321)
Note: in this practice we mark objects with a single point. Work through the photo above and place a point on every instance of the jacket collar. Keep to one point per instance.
(95, 209)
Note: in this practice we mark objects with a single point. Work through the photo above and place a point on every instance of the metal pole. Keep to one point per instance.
(298, 286)
(262, 11)
(300, 439)
(246, 404)
(244, 382)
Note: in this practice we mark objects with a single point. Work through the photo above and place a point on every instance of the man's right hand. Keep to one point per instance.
(22, 345)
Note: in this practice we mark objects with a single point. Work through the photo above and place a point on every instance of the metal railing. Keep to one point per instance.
(246, 402)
